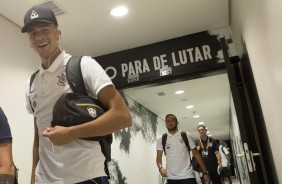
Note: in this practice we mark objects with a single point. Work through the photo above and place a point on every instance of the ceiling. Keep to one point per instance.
(210, 97)
(89, 29)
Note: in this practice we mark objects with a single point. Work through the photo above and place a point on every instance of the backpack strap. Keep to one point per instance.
(185, 139)
(164, 138)
(32, 77)
(75, 80)
(74, 75)
(223, 151)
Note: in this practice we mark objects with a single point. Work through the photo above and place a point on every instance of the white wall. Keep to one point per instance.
(259, 23)
(138, 165)
(17, 62)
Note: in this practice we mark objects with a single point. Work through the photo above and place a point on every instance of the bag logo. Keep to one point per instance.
(92, 111)
(33, 15)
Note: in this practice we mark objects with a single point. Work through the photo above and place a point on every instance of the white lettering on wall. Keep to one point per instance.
(135, 67)
(160, 62)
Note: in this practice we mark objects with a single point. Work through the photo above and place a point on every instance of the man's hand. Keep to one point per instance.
(207, 179)
(58, 135)
(220, 167)
(163, 172)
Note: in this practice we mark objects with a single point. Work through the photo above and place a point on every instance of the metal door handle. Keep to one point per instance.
(256, 154)
(240, 155)
(252, 157)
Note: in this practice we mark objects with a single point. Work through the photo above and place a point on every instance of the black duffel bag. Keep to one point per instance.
(73, 109)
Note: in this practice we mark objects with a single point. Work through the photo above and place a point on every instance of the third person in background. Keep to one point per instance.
(226, 159)
(208, 148)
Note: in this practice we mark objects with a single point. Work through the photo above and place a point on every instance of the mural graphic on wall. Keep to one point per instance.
(116, 175)
(143, 121)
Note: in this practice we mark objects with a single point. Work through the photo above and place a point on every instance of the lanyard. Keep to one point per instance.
(202, 146)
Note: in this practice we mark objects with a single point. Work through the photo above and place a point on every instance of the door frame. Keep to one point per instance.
(250, 118)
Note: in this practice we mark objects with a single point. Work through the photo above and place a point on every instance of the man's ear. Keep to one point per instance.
(59, 34)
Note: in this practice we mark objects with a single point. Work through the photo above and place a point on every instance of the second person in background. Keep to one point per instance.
(178, 168)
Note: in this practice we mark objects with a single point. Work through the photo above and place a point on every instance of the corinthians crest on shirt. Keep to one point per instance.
(92, 111)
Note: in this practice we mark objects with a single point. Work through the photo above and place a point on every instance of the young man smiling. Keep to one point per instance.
(59, 155)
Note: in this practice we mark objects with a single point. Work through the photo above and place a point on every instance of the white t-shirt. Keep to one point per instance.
(223, 157)
(178, 163)
(78, 160)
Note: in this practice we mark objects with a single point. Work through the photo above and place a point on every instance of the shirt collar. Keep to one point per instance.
(176, 133)
(55, 64)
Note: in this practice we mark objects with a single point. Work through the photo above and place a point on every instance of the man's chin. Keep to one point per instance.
(172, 129)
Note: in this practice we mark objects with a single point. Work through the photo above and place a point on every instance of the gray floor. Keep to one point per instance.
(235, 181)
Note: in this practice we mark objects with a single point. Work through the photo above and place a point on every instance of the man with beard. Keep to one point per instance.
(178, 169)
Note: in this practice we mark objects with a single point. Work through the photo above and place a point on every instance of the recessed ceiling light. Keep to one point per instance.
(119, 11)
(210, 135)
(179, 92)
(201, 123)
(189, 106)
(196, 116)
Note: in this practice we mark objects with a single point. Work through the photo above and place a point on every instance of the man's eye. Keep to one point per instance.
(45, 30)
(32, 34)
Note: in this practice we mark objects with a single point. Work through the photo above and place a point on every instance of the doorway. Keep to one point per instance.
(209, 97)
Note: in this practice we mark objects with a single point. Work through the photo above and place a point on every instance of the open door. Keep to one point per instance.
(256, 153)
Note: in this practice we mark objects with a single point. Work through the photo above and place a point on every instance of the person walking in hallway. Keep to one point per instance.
(226, 160)
(178, 169)
(209, 150)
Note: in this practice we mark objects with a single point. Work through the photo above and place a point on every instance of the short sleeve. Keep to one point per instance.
(191, 141)
(94, 76)
(5, 131)
(27, 98)
(225, 150)
(159, 145)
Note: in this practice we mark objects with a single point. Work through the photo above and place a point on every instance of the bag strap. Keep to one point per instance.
(223, 151)
(185, 139)
(74, 75)
(75, 80)
(164, 138)
(32, 77)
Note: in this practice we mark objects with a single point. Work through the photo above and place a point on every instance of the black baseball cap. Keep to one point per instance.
(38, 13)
